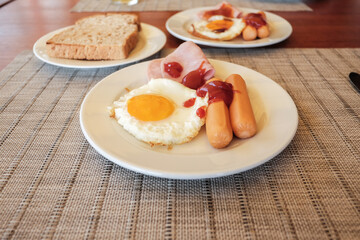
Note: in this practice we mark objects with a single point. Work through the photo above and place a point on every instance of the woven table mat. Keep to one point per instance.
(55, 185)
(179, 5)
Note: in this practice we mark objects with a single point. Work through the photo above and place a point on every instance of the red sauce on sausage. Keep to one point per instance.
(195, 79)
(200, 112)
(189, 103)
(174, 69)
(255, 19)
(218, 91)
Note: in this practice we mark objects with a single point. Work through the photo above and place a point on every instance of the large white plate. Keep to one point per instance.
(275, 113)
(151, 40)
(178, 24)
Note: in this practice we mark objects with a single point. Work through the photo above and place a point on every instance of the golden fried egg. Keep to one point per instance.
(162, 112)
(218, 28)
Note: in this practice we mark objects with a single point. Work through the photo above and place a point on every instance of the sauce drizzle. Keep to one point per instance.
(195, 79)
(218, 91)
(174, 69)
(200, 112)
(255, 19)
(189, 103)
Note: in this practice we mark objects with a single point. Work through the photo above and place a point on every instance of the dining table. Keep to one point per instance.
(69, 171)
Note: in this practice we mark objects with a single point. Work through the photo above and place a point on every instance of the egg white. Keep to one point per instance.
(180, 127)
(235, 30)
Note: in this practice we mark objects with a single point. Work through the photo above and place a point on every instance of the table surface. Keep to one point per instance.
(332, 24)
(54, 185)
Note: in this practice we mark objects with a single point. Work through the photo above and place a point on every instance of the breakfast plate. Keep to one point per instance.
(151, 40)
(178, 26)
(275, 113)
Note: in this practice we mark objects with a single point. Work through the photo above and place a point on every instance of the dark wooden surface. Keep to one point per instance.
(332, 24)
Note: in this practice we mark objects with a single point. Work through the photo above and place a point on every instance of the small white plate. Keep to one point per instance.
(275, 113)
(151, 40)
(178, 26)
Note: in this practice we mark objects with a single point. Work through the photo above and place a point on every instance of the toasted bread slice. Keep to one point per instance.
(110, 19)
(98, 37)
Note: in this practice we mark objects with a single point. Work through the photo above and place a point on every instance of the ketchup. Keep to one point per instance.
(195, 79)
(174, 69)
(218, 91)
(255, 19)
(189, 103)
(200, 112)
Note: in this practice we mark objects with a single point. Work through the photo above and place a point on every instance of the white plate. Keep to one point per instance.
(151, 40)
(178, 24)
(275, 113)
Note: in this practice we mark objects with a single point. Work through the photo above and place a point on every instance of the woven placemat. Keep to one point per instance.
(55, 185)
(179, 5)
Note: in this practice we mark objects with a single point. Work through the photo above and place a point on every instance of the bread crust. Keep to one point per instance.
(58, 49)
(135, 18)
(92, 52)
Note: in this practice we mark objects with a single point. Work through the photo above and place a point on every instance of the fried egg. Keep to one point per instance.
(155, 112)
(218, 28)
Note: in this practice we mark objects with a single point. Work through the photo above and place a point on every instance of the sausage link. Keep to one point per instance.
(218, 126)
(263, 31)
(249, 33)
(241, 113)
(213, 79)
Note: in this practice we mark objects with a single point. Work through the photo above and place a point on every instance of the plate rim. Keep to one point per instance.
(181, 175)
(111, 63)
(225, 44)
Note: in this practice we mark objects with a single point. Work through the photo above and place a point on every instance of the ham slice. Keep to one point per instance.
(225, 9)
(190, 57)
(154, 70)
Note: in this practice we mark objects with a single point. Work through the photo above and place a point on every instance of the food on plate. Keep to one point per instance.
(162, 112)
(256, 26)
(224, 9)
(241, 113)
(249, 33)
(225, 22)
(263, 31)
(187, 65)
(218, 126)
(180, 97)
(97, 37)
(218, 28)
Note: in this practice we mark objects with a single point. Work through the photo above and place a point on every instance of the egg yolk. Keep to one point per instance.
(149, 107)
(219, 25)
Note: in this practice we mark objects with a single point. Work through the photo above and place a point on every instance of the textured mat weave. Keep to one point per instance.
(54, 185)
(179, 5)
